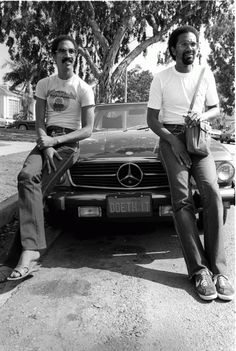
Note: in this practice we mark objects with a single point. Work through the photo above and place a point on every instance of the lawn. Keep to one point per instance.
(12, 134)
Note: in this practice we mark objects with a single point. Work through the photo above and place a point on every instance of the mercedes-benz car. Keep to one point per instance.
(119, 175)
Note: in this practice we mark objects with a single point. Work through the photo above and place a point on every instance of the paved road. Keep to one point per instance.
(12, 147)
(116, 288)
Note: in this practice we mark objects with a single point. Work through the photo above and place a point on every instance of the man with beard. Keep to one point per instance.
(171, 92)
(64, 116)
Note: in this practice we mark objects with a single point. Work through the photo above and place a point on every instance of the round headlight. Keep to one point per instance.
(225, 171)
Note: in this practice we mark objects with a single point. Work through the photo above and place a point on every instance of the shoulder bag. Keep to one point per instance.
(198, 138)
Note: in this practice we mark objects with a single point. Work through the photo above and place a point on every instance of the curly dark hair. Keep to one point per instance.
(175, 34)
(60, 38)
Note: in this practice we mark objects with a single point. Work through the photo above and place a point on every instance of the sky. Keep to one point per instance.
(3, 58)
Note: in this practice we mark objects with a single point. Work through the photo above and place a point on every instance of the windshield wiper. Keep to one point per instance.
(139, 127)
(144, 127)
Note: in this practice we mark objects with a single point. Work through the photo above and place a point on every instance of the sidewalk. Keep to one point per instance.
(11, 147)
(8, 207)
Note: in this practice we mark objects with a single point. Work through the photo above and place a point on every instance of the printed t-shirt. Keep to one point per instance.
(64, 100)
(172, 91)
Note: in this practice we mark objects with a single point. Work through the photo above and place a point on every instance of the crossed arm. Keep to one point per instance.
(47, 143)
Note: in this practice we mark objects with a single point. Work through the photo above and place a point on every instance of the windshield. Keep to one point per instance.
(120, 117)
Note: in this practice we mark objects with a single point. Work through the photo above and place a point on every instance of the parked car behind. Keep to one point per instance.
(227, 136)
(5, 123)
(215, 134)
(119, 175)
(2, 122)
(23, 124)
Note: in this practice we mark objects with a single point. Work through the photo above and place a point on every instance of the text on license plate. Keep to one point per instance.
(133, 206)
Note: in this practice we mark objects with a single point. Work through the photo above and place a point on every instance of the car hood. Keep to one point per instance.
(219, 151)
(133, 143)
(129, 143)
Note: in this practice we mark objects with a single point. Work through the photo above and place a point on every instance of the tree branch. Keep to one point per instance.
(134, 53)
(84, 52)
(95, 28)
(145, 44)
(110, 60)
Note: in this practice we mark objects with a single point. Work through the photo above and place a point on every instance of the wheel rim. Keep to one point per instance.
(22, 127)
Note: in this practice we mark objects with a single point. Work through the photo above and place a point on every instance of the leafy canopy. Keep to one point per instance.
(221, 36)
(102, 29)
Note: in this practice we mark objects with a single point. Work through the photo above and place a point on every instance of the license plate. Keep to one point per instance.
(129, 206)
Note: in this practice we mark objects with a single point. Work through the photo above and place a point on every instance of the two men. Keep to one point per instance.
(64, 116)
(65, 100)
(171, 92)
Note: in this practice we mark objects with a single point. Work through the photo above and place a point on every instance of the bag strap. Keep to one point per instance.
(196, 90)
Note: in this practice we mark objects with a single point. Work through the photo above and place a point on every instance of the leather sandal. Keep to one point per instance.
(22, 271)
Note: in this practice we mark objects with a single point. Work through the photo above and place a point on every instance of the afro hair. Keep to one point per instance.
(175, 34)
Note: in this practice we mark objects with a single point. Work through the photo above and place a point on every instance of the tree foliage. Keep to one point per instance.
(221, 36)
(102, 29)
(138, 85)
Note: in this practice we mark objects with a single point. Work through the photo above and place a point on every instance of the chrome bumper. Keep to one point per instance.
(64, 200)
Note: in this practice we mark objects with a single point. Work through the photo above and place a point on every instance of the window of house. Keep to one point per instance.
(13, 107)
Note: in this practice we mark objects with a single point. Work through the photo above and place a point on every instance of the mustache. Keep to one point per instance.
(65, 59)
(189, 52)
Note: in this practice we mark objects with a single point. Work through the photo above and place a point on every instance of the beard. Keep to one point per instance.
(67, 59)
(188, 58)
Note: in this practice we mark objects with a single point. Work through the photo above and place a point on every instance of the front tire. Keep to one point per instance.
(22, 127)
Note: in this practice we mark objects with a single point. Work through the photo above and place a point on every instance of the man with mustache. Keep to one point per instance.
(64, 116)
(171, 92)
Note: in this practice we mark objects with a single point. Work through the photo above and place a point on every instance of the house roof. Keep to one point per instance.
(5, 91)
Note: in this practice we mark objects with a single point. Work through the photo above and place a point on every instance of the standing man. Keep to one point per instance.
(64, 116)
(171, 92)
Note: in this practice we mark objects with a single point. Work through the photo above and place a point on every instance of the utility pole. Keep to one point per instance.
(126, 82)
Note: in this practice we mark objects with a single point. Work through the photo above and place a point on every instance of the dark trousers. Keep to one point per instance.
(211, 255)
(34, 183)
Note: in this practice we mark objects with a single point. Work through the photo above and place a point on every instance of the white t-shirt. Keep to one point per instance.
(172, 92)
(64, 100)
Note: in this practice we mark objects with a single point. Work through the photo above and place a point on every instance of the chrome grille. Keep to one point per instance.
(104, 175)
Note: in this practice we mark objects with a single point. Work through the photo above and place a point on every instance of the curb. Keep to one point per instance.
(8, 208)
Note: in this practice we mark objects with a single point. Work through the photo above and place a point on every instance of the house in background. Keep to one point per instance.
(10, 103)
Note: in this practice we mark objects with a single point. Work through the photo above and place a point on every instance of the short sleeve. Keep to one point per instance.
(211, 93)
(41, 90)
(87, 98)
(155, 94)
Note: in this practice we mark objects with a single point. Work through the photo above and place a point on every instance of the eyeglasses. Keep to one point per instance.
(186, 44)
(64, 51)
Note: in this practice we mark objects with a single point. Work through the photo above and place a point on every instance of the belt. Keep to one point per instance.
(55, 130)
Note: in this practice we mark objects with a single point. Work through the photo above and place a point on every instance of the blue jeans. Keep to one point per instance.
(34, 183)
(211, 256)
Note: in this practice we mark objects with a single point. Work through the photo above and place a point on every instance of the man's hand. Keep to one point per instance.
(180, 152)
(192, 119)
(49, 154)
(45, 141)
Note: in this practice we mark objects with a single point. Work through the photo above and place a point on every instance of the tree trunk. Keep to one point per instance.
(105, 87)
